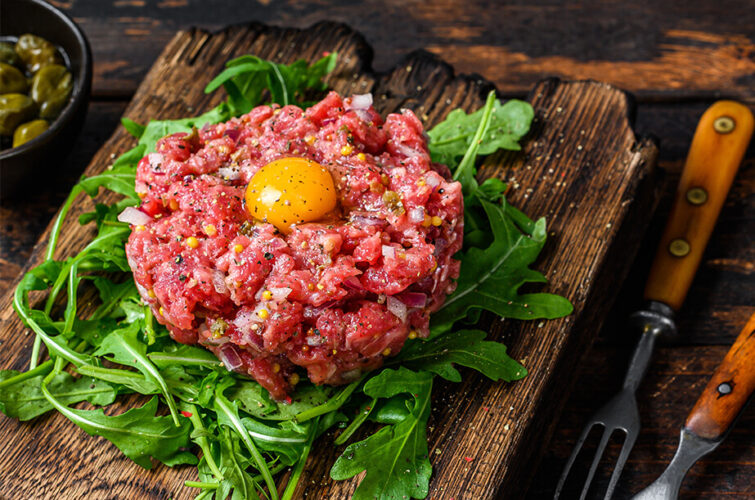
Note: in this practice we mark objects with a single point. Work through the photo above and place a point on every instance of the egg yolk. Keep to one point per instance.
(291, 191)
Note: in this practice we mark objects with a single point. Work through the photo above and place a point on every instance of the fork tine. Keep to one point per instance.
(572, 458)
(595, 461)
(625, 450)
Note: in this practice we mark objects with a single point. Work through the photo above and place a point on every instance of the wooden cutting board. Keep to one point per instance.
(583, 168)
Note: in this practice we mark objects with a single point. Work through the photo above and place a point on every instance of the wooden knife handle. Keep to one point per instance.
(728, 390)
(717, 149)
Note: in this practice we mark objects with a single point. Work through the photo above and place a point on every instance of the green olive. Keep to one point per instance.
(28, 131)
(8, 54)
(50, 89)
(36, 52)
(15, 109)
(12, 80)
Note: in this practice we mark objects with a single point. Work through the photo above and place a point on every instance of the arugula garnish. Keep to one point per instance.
(461, 137)
(245, 436)
(247, 78)
(462, 347)
(24, 400)
(395, 457)
(138, 433)
(491, 277)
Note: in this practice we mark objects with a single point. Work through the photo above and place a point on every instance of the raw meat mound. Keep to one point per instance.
(334, 297)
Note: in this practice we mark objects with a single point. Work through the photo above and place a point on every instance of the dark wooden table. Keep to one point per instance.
(676, 57)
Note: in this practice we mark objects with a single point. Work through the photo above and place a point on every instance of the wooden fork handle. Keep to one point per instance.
(717, 149)
(728, 391)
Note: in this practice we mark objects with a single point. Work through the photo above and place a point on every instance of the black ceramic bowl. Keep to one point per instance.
(42, 156)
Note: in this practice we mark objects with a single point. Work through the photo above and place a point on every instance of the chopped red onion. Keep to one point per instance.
(417, 214)
(353, 283)
(363, 114)
(315, 340)
(211, 340)
(233, 133)
(134, 216)
(230, 357)
(359, 101)
(396, 307)
(440, 245)
(413, 299)
(406, 150)
(433, 180)
(245, 319)
(276, 244)
(280, 293)
(229, 173)
(218, 282)
(155, 159)
(388, 252)
(367, 220)
(315, 312)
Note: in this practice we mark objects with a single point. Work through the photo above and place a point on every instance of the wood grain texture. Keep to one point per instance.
(691, 49)
(583, 168)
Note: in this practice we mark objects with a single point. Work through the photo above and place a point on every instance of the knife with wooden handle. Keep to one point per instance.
(723, 399)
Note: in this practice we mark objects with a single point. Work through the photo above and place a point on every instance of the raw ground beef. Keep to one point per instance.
(334, 297)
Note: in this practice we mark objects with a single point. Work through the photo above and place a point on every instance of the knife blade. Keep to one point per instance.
(712, 417)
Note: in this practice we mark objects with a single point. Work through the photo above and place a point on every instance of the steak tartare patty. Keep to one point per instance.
(334, 296)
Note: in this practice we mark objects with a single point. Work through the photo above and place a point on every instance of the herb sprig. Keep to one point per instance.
(245, 436)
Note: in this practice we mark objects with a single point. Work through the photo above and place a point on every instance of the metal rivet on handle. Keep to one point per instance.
(724, 389)
(724, 124)
(697, 196)
(679, 247)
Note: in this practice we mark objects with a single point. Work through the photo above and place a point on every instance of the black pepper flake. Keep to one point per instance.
(179, 259)
(268, 256)
(182, 277)
(441, 191)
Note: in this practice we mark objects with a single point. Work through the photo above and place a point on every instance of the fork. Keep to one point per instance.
(621, 412)
(717, 148)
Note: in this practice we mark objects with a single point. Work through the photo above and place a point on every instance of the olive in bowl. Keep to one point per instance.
(45, 81)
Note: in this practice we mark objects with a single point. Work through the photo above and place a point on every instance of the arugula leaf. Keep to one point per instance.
(132, 127)
(134, 381)
(464, 347)
(116, 298)
(119, 179)
(286, 439)
(24, 400)
(395, 457)
(228, 415)
(185, 355)
(123, 347)
(256, 401)
(490, 277)
(247, 77)
(228, 453)
(451, 139)
(138, 433)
